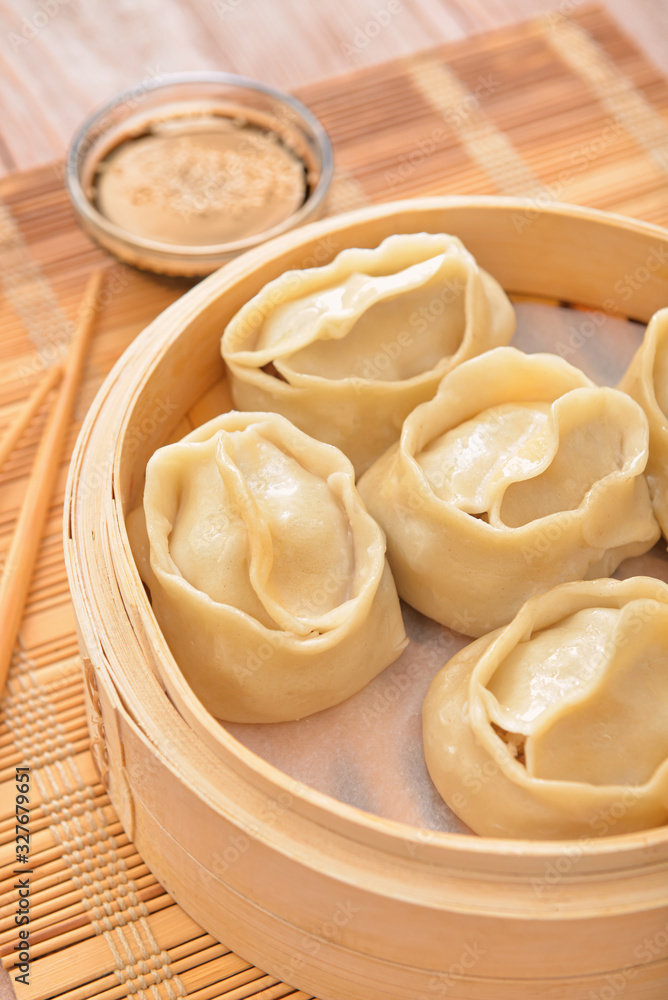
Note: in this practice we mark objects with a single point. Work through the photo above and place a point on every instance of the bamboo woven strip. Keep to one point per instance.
(513, 110)
(17, 427)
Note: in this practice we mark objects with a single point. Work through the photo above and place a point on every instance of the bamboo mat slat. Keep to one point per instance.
(555, 109)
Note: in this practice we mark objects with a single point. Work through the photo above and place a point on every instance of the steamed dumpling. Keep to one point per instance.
(268, 578)
(646, 381)
(557, 725)
(520, 474)
(347, 350)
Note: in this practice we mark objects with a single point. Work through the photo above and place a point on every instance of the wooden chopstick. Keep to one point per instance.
(18, 567)
(13, 433)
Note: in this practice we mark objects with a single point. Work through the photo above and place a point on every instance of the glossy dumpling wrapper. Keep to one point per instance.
(646, 381)
(347, 350)
(556, 726)
(267, 576)
(519, 475)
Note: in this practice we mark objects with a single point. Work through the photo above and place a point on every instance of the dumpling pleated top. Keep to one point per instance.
(556, 726)
(267, 576)
(518, 475)
(347, 350)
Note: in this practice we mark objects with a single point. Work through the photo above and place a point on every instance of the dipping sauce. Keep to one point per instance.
(200, 180)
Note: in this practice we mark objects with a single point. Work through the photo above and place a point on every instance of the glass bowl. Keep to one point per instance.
(177, 103)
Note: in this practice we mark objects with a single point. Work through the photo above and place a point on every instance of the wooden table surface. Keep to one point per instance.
(61, 58)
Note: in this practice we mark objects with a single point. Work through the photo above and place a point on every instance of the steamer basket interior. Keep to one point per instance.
(333, 900)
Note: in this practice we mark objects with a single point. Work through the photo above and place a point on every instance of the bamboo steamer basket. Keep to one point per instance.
(333, 900)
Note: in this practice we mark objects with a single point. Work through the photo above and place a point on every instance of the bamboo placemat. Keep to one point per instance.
(556, 109)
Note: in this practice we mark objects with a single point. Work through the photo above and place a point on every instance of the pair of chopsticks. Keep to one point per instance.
(18, 568)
